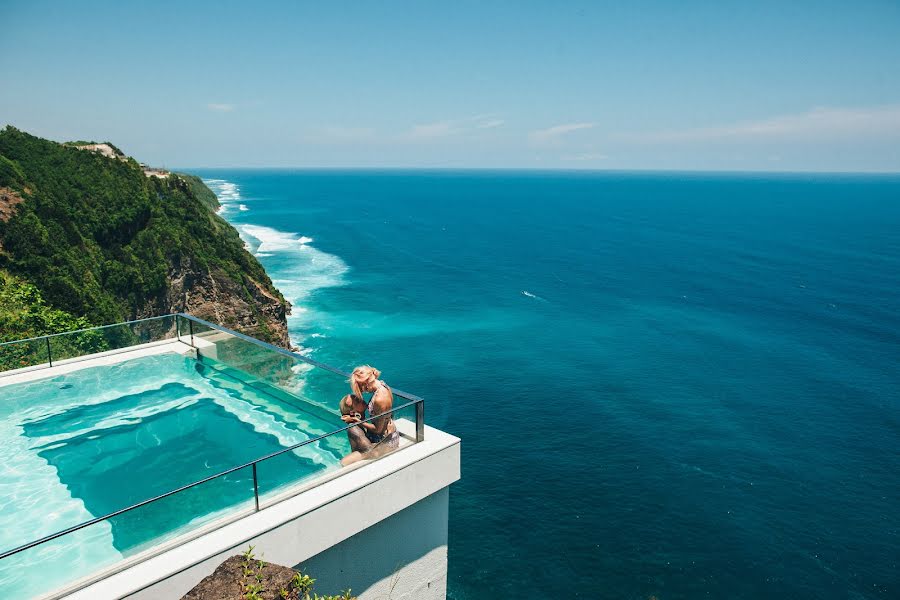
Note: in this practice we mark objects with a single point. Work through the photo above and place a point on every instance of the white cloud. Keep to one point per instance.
(821, 123)
(341, 135)
(489, 123)
(433, 130)
(586, 157)
(554, 134)
(451, 127)
(220, 107)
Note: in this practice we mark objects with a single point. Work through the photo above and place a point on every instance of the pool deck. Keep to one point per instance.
(110, 357)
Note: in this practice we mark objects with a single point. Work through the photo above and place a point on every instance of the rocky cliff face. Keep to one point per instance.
(101, 240)
(247, 306)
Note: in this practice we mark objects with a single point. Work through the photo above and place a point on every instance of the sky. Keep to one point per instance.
(717, 85)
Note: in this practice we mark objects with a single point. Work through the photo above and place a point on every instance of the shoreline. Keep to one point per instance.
(301, 261)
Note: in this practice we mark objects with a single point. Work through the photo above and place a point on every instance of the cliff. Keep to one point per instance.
(95, 240)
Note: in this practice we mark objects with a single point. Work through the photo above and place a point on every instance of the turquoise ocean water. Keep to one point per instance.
(667, 385)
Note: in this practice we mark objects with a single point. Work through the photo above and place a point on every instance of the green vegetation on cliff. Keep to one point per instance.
(202, 193)
(87, 239)
(24, 314)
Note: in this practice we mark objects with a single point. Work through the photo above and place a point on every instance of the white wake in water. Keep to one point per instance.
(528, 294)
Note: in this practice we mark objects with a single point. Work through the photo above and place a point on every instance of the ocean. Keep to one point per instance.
(667, 385)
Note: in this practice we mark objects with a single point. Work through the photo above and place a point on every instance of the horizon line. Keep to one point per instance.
(538, 170)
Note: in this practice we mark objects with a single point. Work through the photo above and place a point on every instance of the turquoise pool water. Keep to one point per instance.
(85, 444)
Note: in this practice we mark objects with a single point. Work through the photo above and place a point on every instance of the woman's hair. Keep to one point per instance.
(362, 375)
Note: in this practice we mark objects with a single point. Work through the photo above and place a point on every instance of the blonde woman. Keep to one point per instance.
(381, 432)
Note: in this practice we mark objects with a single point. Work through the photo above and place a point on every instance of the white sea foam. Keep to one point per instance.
(227, 194)
(268, 239)
(297, 268)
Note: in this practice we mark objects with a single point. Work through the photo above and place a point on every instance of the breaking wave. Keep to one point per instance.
(296, 267)
(228, 194)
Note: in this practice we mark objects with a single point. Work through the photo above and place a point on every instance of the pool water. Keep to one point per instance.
(97, 440)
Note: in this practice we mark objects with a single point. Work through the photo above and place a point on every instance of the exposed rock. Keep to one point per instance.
(230, 579)
(9, 198)
(243, 577)
(106, 149)
(214, 296)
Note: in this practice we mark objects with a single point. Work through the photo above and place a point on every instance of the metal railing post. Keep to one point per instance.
(191, 328)
(49, 354)
(420, 420)
(255, 488)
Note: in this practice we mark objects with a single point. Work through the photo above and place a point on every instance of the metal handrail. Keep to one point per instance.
(252, 464)
(50, 335)
(414, 400)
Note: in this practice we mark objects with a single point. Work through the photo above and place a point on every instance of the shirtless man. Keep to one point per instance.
(355, 407)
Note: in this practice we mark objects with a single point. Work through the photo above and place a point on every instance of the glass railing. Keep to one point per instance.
(45, 351)
(230, 360)
(259, 363)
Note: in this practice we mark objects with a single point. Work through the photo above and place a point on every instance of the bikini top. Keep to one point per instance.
(371, 405)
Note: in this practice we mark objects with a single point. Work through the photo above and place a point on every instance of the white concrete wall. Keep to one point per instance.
(403, 557)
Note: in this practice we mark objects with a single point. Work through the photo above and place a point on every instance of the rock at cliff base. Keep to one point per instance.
(231, 579)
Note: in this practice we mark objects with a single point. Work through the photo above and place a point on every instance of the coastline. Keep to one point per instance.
(296, 267)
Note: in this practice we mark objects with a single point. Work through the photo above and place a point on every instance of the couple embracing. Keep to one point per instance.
(375, 438)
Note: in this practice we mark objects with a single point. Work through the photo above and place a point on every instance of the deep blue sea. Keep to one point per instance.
(667, 385)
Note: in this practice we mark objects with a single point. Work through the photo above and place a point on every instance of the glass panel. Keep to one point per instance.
(154, 523)
(405, 421)
(111, 337)
(322, 457)
(261, 366)
(27, 353)
(78, 555)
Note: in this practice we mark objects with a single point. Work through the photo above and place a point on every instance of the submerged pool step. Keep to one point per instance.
(76, 419)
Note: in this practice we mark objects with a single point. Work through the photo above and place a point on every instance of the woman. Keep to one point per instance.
(381, 432)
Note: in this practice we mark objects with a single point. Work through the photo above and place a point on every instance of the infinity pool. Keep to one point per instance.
(91, 442)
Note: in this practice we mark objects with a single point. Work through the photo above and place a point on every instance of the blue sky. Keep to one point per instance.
(624, 85)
